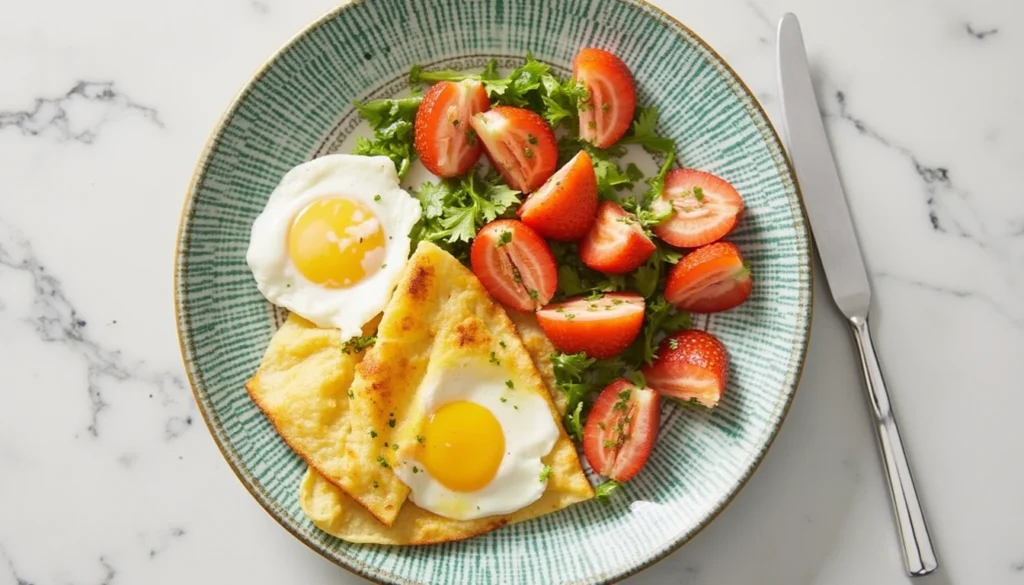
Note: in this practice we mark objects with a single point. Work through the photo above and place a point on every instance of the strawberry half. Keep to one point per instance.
(514, 264)
(615, 244)
(705, 208)
(520, 144)
(563, 209)
(709, 279)
(691, 365)
(601, 327)
(608, 112)
(621, 429)
(443, 138)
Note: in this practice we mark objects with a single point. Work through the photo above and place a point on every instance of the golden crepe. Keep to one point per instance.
(334, 512)
(439, 314)
(302, 386)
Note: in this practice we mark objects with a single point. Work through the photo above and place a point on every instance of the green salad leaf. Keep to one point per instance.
(392, 123)
(454, 210)
(644, 132)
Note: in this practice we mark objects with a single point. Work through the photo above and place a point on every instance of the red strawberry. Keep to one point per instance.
(514, 264)
(443, 138)
(615, 244)
(709, 279)
(705, 208)
(606, 115)
(602, 327)
(564, 207)
(691, 365)
(520, 144)
(621, 429)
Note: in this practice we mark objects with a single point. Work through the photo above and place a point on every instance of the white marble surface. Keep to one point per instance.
(108, 477)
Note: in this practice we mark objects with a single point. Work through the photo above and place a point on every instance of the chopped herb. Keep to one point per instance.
(601, 425)
(391, 422)
(609, 444)
(592, 125)
(533, 293)
(502, 343)
(383, 266)
(531, 139)
(394, 447)
(415, 469)
(494, 359)
(698, 194)
(420, 439)
(605, 107)
(509, 384)
(376, 197)
(351, 394)
(504, 238)
(358, 344)
(594, 296)
(373, 434)
(375, 484)
(503, 399)
(605, 490)
(383, 462)
(570, 316)
(544, 473)
(455, 122)
(528, 152)
(516, 276)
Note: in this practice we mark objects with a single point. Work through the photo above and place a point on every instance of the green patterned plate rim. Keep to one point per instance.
(298, 105)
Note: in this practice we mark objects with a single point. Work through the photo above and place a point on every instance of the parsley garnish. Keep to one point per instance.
(391, 422)
(494, 359)
(383, 462)
(504, 238)
(375, 484)
(509, 384)
(373, 434)
(544, 473)
(419, 439)
(605, 490)
(358, 344)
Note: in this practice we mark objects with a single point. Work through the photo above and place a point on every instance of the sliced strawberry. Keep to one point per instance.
(514, 264)
(615, 244)
(601, 327)
(564, 207)
(520, 144)
(705, 208)
(691, 365)
(709, 279)
(608, 112)
(443, 138)
(621, 429)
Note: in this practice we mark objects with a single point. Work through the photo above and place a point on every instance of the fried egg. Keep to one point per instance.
(332, 240)
(479, 446)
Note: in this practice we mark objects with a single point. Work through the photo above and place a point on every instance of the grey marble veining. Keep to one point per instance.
(77, 115)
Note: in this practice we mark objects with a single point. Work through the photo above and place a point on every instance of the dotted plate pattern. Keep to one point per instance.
(299, 105)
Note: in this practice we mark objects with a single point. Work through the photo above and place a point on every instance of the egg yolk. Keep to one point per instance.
(463, 446)
(336, 242)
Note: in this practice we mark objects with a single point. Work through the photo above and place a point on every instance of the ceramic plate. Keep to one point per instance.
(298, 106)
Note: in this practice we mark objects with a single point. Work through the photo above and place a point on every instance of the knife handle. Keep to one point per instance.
(918, 552)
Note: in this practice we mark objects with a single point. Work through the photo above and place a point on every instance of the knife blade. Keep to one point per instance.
(841, 258)
(816, 171)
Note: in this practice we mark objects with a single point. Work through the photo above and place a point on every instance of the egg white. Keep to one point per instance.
(530, 434)
(358, 178)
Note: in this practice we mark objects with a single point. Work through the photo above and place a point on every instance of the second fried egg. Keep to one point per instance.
(480, 446)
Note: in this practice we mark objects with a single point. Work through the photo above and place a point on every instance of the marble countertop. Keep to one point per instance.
(108, 476)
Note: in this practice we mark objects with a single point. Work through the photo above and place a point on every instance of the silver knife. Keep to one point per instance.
(847, 278)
